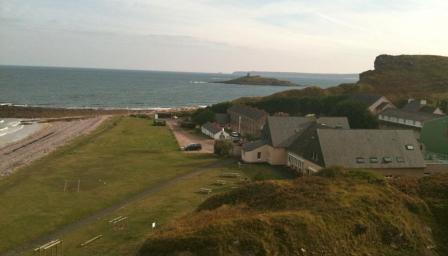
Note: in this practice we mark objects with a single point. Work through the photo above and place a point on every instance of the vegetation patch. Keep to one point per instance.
(336, 213)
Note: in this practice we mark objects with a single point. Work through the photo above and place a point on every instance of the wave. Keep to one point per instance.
(14, 124)
(5, 104)
(2, 121)
(4, 129)
(198, 82)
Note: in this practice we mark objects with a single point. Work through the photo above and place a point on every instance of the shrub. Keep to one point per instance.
(202, 116)
(331, 172)
(370, 177)
(223, 147)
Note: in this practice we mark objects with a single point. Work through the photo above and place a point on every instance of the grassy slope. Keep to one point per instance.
(351, 215)
(434, 190)
(129, 155)
(408, 75)
(121, 158)
(162, 207)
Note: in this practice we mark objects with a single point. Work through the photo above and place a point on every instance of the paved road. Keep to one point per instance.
(106, 211)
(184, 138)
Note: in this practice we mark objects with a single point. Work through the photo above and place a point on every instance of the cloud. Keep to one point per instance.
(330, 30)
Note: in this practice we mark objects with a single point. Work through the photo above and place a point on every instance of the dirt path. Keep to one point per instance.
(107, 211)
(52, 136)
(184, 138)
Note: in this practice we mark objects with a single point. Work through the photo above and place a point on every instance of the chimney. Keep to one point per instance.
(423, 102)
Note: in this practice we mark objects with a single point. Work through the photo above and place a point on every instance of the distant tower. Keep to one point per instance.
(248, 74)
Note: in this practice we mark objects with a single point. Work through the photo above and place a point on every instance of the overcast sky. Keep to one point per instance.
(218, 35)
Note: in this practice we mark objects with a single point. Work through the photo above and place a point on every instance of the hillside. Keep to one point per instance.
(354, 213)
(258, 80)
(405, 75)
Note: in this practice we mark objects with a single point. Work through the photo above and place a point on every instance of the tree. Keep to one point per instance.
(202, 116)
(357, 113)
(223, 147)
(221, 107)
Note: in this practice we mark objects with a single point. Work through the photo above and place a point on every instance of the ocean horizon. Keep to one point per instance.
(63, 87)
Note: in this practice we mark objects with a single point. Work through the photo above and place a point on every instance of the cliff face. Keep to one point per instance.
(407, 75)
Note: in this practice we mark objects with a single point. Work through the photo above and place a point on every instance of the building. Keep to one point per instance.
(215, 131)
(222, 119)
(390, 152)
(421, 106)
(407, 119)
(434, 137)
(247, 121)
(374, 103)
(279, 133)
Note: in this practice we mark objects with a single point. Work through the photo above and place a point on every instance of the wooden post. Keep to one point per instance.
(65, 186)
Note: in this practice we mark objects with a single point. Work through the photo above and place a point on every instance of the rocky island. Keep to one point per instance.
(259, 80)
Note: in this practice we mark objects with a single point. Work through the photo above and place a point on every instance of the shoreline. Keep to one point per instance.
(20, 111)
(49, 137)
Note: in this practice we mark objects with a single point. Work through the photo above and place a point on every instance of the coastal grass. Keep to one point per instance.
(121, 158)
(162, 207)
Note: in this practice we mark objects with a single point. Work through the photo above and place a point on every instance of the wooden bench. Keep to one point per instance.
(230, 175)
(205, 190)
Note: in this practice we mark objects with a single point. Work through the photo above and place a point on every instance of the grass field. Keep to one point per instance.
(122, 158)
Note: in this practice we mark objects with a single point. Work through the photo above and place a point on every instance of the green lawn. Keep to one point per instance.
(122, 158)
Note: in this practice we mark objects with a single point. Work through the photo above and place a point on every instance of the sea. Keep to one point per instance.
(135, 89)
(12, 130)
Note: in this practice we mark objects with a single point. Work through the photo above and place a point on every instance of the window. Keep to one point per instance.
(387, 159)
(258, 155)
(374, 160)
(400, 159)
(409, 147)
(360, 160)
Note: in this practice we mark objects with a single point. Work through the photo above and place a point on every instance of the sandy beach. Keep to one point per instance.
(51, 136)
(51, 128)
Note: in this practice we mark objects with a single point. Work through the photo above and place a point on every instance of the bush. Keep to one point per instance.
(221, 107)
(143, 116)
(331, 172)
(202, 116)
(371, 177)
(187, 124)
(158, 122)
(223, 147)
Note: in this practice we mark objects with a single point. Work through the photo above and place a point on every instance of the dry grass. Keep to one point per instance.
(348, 214)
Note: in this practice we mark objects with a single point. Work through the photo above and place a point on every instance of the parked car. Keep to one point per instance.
(192, 147)
(235, 136)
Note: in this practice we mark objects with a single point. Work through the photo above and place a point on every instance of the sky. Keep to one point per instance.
(318, 36)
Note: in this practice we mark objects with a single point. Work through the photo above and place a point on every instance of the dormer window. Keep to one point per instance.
(400, 159)
(410, 147)
(387, 159)
(374, 160)
(360, 160)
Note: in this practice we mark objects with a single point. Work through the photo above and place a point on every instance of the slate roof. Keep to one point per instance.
(413, 106)
(347, 148)
(222, 118)
(250, 112)
(250, 146)
(212, 127)
(365, 98)
(416, 116)
(281, 131)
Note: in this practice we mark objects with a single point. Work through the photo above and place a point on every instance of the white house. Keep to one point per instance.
(374, 103)
(215, 131)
